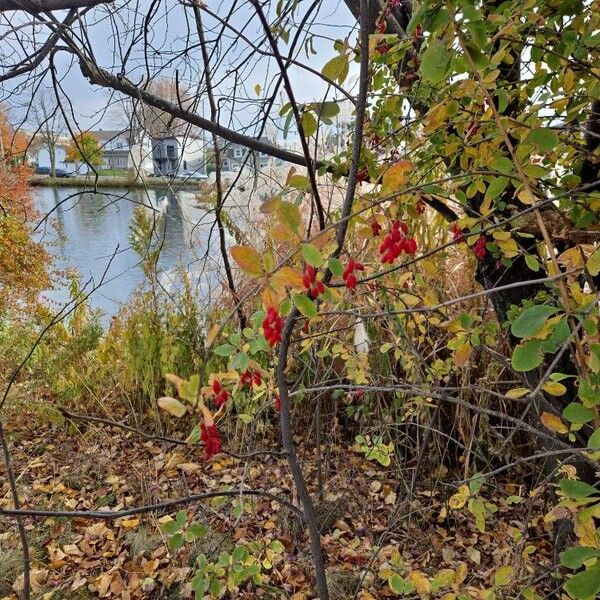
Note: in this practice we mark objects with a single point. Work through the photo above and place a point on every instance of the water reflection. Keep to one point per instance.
(87, 231)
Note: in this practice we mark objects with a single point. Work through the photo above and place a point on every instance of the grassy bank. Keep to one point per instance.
(112, 182)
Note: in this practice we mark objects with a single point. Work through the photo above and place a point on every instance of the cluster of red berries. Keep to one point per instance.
(348, 274)
(220, 393)
(309, 279)
(272, 326)
(211, 439)
(479, 249)
(250, 378)
(480, 246)
(396, 242)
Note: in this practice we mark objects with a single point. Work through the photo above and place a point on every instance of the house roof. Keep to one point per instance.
(107, 135)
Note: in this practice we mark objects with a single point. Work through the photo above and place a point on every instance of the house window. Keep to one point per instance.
(185, 165)
(170, 151)
(238, 152)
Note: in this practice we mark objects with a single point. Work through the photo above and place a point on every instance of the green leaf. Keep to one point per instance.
(584, 585)
(578, 413)
(215, 588)
(309, 124)
(305, 305)
(289, 215)
(397, 584)
(527, 356)
(198, 530)
(532, 262)
(328, 110)
(530, 321)
(337, 68)
(496, 187)
(502, 164)
(588, 394)
(434, 62)
(576, 489)
(594, 439)
(312, 255)
(593, 263)
(277, 546)
(335, 266)
(225, 350)
(171, 527)
(240, 553)
(176, 541)
(573, 558)
(545, 139)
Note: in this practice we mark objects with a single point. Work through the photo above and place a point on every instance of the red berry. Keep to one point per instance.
(479, 249)
(277, 402)
(351, 282)
(211, 439)
(375, 228)
(272, 326)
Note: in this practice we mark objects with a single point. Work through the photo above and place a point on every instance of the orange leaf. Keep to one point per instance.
(248, 259)
(272, 297)
(395, 176)
(553, 422)
(290, 277)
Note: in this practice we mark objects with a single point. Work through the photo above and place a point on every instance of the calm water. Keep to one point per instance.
(84, 230)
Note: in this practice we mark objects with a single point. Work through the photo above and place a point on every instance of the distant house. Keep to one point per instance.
(236, 155)
(120, 151)
(175, 155)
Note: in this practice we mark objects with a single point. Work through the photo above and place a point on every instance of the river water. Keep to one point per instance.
(90, 232)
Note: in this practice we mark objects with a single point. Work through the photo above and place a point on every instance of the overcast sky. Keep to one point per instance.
(115, 35)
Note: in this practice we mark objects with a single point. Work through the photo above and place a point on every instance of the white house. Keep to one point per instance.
(175, 155)
(120, 151)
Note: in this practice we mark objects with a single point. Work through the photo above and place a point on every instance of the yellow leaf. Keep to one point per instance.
(177, 382)
(130, 523)
(459, 499)
(503, 576)
(572, 258)
(212, 334)
(420, 581)
(517, 393)
(248, 259)
(395, 176)
(172, 406)
(553, 422)
(554, 388)
(526, 197)
(461, 573)
(462, 354)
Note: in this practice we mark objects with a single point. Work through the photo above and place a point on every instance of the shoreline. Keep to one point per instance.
(113, 182)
